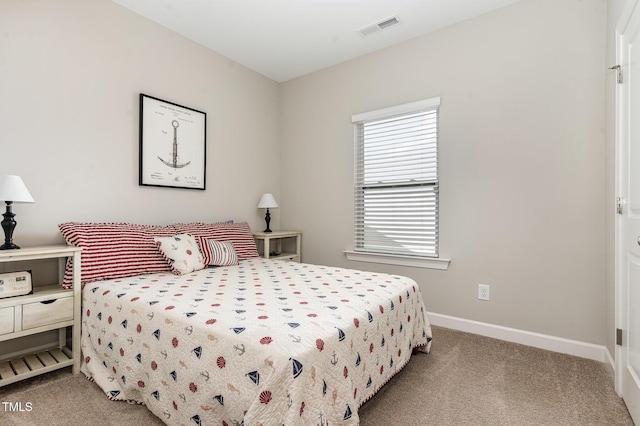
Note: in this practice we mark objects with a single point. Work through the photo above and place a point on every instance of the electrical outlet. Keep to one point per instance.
(483, 292)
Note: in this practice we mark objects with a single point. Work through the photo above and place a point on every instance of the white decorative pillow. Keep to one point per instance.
(218, 253)
(182, 253)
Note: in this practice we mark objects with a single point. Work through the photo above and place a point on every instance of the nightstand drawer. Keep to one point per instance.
(6, 320)
(45, 313)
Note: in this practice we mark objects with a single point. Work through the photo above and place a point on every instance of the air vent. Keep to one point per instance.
(382, 25)
(388, 23)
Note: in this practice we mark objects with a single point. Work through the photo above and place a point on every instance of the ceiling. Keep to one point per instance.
(284, 39)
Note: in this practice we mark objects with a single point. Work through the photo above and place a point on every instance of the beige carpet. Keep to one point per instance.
(465, 380)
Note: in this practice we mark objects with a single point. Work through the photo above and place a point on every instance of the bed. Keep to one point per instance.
(254, 342)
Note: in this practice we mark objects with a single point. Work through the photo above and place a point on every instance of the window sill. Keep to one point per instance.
(392, 259)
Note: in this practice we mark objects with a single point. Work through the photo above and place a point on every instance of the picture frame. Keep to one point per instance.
(172, 144)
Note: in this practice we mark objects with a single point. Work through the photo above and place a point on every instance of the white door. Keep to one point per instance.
(628, 222)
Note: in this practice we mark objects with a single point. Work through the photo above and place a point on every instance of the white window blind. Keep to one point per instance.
(396, 180)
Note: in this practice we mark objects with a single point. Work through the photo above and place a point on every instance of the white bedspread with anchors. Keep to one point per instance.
(262, 343)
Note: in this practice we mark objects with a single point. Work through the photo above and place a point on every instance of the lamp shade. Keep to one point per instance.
(267, 202)
(13, 189)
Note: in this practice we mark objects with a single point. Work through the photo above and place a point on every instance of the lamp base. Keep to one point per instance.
(9, 246)
(8, 224)
(267, 218)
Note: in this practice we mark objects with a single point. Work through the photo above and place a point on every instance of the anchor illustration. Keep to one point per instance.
(321, 420)
(240, 348)
(174, 160)
(188, 330)
(334, 359)
(296, 339)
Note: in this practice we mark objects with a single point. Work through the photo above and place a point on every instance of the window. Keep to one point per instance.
(396, 180)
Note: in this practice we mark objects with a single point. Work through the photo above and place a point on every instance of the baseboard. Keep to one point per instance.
(610, 364)
(537, 340)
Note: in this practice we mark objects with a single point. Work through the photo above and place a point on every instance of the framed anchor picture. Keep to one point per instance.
(172, 144)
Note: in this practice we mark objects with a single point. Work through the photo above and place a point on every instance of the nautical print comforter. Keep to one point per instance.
(265, 342)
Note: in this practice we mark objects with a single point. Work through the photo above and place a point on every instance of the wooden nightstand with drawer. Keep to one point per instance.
(48, 307)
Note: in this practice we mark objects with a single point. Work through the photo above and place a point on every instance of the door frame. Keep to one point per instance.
(621, 122)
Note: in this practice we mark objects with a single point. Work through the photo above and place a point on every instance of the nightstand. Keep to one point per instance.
(279, 245)
(49, 307)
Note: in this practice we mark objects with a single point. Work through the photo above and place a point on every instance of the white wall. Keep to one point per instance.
(71, 72)
(523, 178)
(521, 162)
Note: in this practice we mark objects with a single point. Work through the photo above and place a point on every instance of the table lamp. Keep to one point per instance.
(12, 190)
(267, 202)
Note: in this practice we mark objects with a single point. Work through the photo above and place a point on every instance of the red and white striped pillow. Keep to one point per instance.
(115, 250)
(238, 234)
(217, 253)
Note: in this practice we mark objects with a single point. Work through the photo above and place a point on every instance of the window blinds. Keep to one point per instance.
(396, 182)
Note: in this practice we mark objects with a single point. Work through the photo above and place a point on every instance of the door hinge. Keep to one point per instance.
(618, 69)
(619, 205)
(619, 336)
